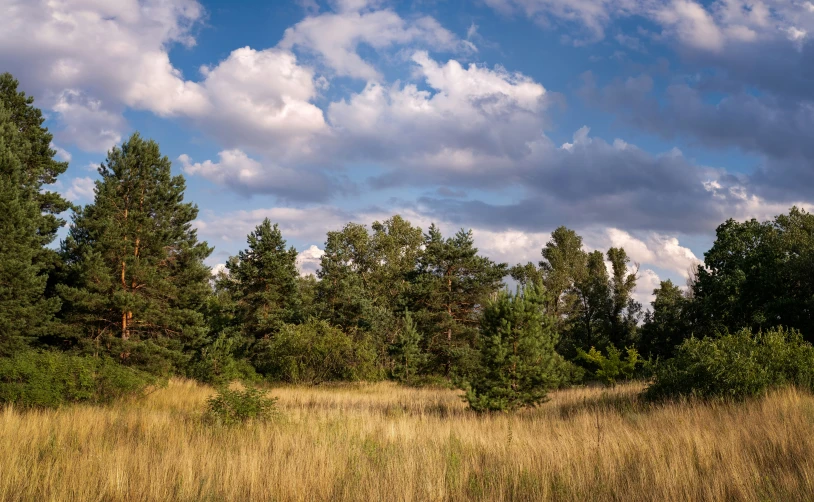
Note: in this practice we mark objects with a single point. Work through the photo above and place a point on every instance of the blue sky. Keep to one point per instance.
(641, 123)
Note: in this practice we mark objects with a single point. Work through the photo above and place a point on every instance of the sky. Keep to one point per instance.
(637, 123)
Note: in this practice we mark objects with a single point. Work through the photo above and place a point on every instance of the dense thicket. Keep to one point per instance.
(129, 287)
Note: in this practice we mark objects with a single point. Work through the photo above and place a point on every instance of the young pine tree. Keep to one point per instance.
(408, 358)
(263, 280)
(518, 363)
(137, 281)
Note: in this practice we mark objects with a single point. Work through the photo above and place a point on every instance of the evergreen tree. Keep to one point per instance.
(23, 309)
(39, 168)
(137, 281)
(518, 363)
(453, 283)
(408, 358)
(668, 324)
(263, 279)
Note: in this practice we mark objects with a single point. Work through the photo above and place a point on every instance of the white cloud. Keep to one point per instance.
(657, 250)
(335, 37)
(700, 25)
(247, 175)
(261, 98)
(692, 24)
(62, 154)
(88, 59)
(308, 260)
(81, 190)
(646, 282)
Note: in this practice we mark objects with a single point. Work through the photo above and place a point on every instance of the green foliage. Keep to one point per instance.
(234, 407)
(758, 275)
(218, 362)
(134, 266)
(408, 358)
(518, 364)
(613, 367)
(51, 379)
(668, 323)
(453, 282)
(736, 366)
(263, 282)
(24, 310)
(313, 353)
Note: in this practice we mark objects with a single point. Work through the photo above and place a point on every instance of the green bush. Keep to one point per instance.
(613, 367)
(313, 353)
(51, 379)
(216, 363)
(735, 366)
(231, 407)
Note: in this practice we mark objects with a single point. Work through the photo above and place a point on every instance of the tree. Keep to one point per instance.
(39, 168)
(518, 363)
(453, 283)
(263, 279)
(23, 309)
(137, 281)
(624, 314)
(758, 275)
(668, 323)
(406, 351)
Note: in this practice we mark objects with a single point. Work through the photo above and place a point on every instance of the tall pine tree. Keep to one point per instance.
(39, 168)
(453, 283)
(137, 281)
(23, 309)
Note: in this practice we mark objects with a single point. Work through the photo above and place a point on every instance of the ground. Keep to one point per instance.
(386, 442)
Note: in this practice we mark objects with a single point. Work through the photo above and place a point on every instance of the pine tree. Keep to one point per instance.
(39, 168)
(453, 283)
(137, 281)
(668, 324)
(518, 363)
(264, 282)
(23, 309)
(406, 351)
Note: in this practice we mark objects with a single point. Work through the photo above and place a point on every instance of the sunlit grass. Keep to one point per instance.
(386, 442)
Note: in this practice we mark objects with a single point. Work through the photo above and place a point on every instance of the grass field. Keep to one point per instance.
(385, 442)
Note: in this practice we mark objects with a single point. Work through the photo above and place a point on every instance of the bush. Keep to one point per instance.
(216, 363)
(231, 407)
(735, 366)
(613, 367)
(51, 379)
(313, 353)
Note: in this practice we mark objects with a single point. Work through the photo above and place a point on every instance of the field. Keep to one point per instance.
(385, 442)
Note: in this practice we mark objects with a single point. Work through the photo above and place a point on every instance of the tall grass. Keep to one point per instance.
(385, 442)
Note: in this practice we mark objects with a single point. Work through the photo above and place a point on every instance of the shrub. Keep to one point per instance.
(613, 367)
(50, 379)
(735, 366)
(216, 362)
(313, 353)
(231, 407)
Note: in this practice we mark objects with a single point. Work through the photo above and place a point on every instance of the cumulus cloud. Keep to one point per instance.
(246, 175)
(308, 260)
(472, 119)
(81, 190)
(335, 37)
(87, 60)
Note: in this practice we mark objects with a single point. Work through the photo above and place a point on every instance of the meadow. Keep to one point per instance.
(387, 442)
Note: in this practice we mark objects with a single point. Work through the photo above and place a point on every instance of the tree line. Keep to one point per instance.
(127, 295)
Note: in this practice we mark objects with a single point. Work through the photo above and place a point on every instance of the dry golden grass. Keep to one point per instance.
(385, 442)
